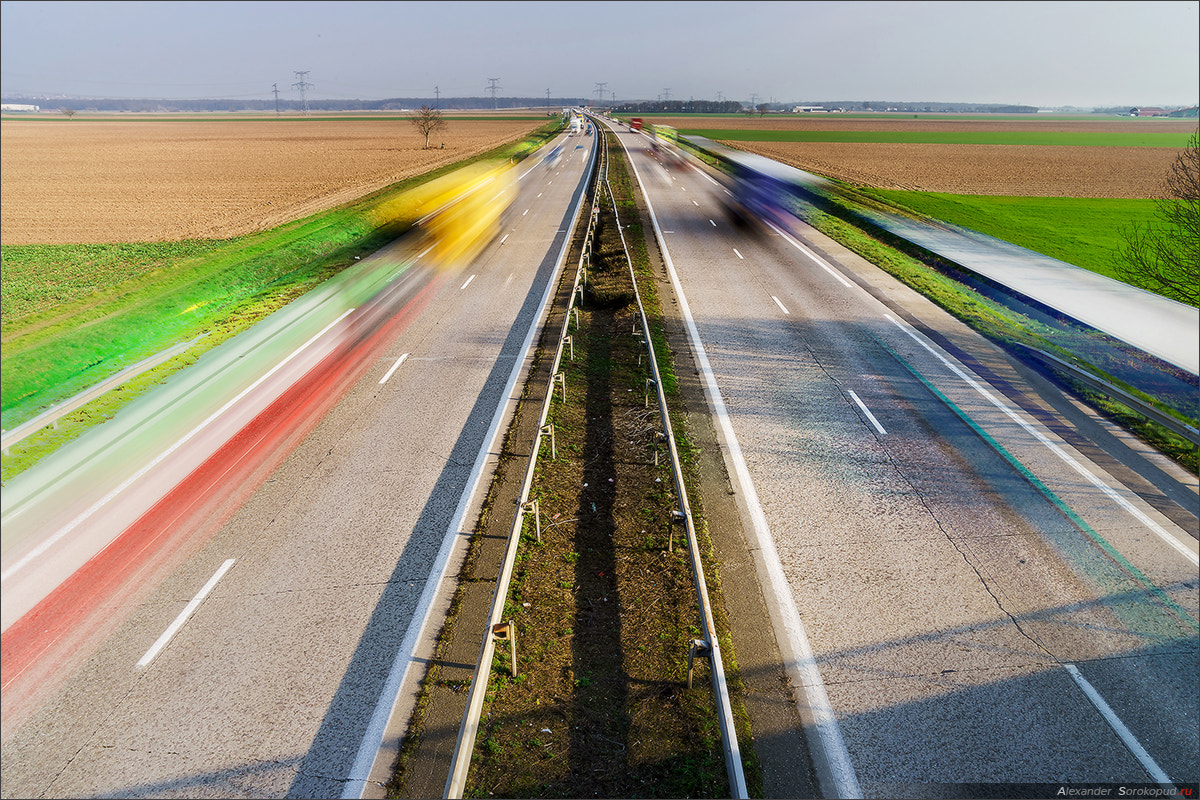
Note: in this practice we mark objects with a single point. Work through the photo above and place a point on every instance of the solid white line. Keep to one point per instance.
(866, 411)
(782, 307)
(739, 255)
(103, 501)
(829, 733)
(360, 771)
(174, 627)
(395, 367)
(1112, 493)
(817, 259)
(1115, 723)
(468, 283)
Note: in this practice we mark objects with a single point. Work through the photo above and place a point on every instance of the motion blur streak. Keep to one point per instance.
(62, 629)
(459, 213)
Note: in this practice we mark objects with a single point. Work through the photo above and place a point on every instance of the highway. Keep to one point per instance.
(971, 581)
(229, 595)
(965, 591)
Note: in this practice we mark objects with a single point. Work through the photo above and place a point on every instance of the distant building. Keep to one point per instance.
(1148, 112)
(19, 107)
(807, 109)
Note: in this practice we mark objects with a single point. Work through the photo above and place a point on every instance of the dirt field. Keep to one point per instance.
(120, 180)
(1030, 171)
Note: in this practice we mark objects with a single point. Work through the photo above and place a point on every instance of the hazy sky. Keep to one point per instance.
(1035, 53)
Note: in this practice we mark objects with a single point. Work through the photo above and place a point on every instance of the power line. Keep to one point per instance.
(492, 88)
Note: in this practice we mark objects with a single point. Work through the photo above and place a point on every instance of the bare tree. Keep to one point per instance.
(1164, 255)
(427, 120)
(70, 112)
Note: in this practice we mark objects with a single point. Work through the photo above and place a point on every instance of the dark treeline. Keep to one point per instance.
(735, 107)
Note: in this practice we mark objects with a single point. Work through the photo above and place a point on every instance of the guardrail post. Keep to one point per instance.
(561, 379)
(532, 506)
(549, 429)
(507, 632)
(677, 518)
(570, 342)
(649, 382)
(698, 647)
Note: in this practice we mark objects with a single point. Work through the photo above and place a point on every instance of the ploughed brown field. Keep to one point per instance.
(1018, 170)
(97, 180)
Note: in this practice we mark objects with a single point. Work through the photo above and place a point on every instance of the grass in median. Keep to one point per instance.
(605, 609)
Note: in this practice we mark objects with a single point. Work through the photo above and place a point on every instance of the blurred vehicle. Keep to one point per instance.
(461, 212)
(635, 124)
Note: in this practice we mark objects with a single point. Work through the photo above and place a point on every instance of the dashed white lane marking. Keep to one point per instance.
(1118, 727)
(866, 411)
(782, 307)
(174, 627)
(395, 367)
(739, 255)
(468, 283)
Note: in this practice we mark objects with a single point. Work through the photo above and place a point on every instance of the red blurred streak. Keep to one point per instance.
(52, 635)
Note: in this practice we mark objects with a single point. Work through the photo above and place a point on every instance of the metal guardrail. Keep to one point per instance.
(1116, 393)
(496, 627)
(708, 647)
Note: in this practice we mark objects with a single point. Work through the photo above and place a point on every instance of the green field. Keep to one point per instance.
(1085, 232)
(1080, 138)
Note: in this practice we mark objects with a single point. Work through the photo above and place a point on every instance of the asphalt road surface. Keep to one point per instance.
(224, 598)
(965, 590)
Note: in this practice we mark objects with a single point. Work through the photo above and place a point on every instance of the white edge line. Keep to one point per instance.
(174, 627)
(866, 411)
(395, 367)
(782, 307)
(1112, 493)
(103, 501)
(1115, 723)
(829, 732)
(360, 771)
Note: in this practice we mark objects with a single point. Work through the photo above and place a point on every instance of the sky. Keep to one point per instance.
(1046, 54)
